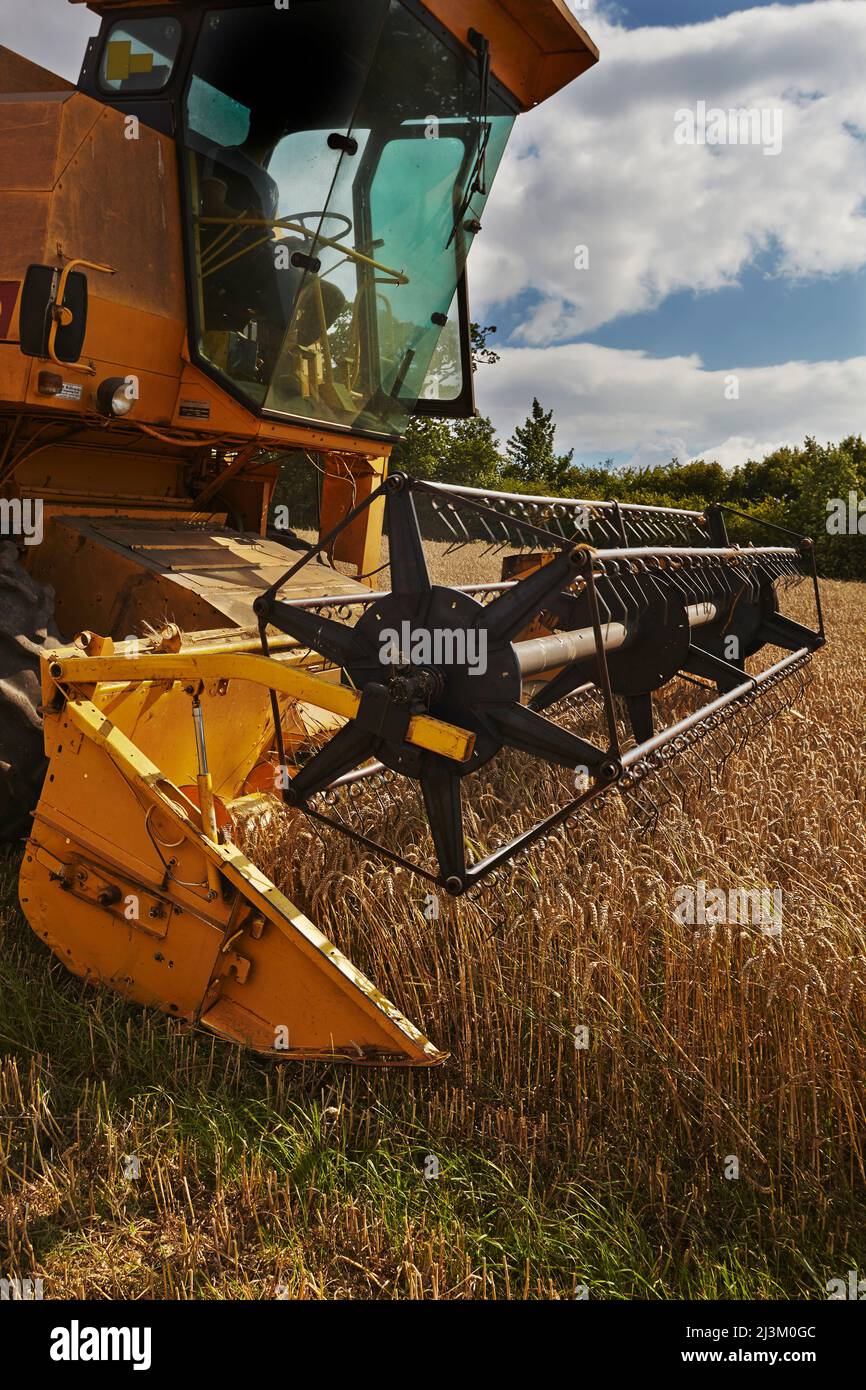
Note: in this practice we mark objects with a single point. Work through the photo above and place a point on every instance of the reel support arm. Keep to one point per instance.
(421, 731)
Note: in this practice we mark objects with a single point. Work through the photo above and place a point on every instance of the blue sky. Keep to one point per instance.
(707, 266)
(673, 12)
(766, 317)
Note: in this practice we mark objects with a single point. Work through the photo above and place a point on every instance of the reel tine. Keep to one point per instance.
(643, 810)
(764, 709)
(657, 795)
(728, 740)
(677, 761)
(698, 765)
(742, 727)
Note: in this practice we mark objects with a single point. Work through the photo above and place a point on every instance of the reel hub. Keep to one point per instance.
(435, 655)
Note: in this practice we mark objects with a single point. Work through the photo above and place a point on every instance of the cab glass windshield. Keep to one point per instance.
(338, 160)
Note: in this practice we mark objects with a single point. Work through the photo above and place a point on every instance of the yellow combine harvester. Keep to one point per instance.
(242, 235)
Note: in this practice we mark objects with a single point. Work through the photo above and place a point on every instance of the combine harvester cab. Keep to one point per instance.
(150, 383)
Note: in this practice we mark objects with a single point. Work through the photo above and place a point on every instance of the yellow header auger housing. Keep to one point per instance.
(242, 235)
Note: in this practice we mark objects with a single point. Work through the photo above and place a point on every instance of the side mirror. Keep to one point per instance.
(53, 313)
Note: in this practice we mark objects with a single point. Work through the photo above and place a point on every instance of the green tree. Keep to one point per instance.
(531, 452)
(420, 453)
(482, 354)
(474, 457)
(459, 451)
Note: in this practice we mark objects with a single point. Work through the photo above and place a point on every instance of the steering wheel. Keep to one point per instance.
(301, 219)
(295, 222)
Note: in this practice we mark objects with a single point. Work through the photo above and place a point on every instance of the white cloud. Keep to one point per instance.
(598, 165)
(607, 402)
(49, 33)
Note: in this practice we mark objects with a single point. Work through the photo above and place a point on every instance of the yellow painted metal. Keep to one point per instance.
(349, 481)
(62, 315)
(206, 804)
(433, 735)
(133, 885)
(117, 573)
(239, 727)
(238, 715)
(121, 61)
(123, 883)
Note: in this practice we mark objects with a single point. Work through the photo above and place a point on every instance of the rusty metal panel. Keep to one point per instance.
(113, 583)
(159, 539)
(136, 230)
(29, 140)
(19, 74)
(180, 561)
(24, 219)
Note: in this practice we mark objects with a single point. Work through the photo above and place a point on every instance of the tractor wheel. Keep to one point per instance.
(26, 625)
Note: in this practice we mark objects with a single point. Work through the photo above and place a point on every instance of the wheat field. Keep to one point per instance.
(707, 1141)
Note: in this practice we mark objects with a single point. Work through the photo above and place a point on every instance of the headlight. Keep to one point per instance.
(116, 395)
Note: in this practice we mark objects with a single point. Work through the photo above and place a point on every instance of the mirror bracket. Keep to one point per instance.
(44, 306)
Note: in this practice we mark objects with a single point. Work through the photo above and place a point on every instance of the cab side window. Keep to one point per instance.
(139, 55)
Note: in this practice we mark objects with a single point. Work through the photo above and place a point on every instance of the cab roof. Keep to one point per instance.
(537, 46)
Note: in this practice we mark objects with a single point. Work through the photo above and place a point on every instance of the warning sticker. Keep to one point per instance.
(70, 391)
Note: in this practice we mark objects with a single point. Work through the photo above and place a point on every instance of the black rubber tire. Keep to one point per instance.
(26, 625)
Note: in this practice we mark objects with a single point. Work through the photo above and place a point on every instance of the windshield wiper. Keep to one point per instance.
(482, 48)
(474, 185)
(477, 182)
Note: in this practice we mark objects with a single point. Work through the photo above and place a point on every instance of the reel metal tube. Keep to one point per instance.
(541, 654)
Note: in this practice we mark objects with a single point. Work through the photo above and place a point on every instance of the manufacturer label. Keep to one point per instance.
(195, 410)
